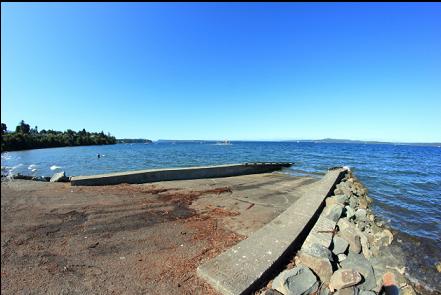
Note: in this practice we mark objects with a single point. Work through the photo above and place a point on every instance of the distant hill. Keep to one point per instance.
(332, 140)
(133, 140)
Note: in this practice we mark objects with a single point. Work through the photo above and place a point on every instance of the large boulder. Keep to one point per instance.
(360, 264)
(59, 177)
(350, 212)
(342, 199)
(318, 258)
(333, 211)
(361, 215)
(297, 281)
(344, 278)
(339, 245)
(348, 231)
(348, 291)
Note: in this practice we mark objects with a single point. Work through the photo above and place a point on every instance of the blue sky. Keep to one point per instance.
(225, 71)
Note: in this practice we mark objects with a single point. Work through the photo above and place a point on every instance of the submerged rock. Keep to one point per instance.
(344, 278)
(297, 281)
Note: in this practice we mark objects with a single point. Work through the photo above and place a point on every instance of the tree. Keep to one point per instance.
(23, 128)
(4, 128)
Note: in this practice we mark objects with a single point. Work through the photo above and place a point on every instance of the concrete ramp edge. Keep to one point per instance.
(242, 268)
(154, 175)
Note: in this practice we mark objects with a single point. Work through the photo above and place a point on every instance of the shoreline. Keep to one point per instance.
(376, 250)
(379, 236)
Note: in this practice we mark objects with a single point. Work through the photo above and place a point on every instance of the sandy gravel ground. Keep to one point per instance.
(129, 239)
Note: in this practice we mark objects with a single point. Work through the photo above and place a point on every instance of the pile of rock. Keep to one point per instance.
(57, 177)
(342, 253)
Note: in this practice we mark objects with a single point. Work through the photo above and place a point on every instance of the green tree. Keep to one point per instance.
(4, 128)
(23, 128)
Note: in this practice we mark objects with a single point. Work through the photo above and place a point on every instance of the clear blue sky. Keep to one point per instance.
(225, 71)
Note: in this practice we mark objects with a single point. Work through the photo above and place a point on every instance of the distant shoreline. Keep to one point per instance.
(345, 141)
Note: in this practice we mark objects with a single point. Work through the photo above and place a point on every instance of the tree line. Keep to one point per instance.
(24, 137)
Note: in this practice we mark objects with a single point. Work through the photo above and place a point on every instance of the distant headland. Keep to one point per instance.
(133, 140)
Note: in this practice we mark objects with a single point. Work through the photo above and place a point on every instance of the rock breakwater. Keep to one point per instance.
(347, 250)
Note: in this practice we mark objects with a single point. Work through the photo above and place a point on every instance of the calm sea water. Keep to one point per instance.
(404, 180)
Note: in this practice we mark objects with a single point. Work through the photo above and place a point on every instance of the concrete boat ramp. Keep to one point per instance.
(243, 268)
(197, 236)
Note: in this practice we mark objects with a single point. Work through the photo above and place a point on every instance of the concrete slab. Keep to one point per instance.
(242, 268)
(155, 175)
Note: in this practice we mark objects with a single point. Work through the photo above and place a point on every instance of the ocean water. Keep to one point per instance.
(404, 180)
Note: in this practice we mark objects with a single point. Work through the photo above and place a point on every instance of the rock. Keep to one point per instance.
(341, 257)
(363, 292)
(350, 213)
(353, 202)
(360, 264)
(317, 258)
(338, 191)
(348, 231)
(342, 199)
(297, 281)
(408, 290)
(333, 211)
(316, 250)
(38, 178)
(330, 201)
(361, 215)
(383, 238)
(348, 291)
(323, 290)
(356, 246)
(344, 278)
(340, 245)
(362, 203)
(369, 199)
(320, 233)
(438, 266)
(59, 177)
(272, 292)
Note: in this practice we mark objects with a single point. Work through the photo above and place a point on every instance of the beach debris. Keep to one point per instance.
(297, 281)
